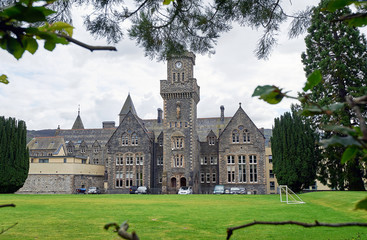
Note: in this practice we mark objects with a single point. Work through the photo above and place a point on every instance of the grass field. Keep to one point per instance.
(179, 216)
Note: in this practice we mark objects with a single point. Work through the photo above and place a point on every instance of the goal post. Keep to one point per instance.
(288, 196)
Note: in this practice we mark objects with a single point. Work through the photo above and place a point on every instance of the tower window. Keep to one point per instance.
(174, 77)
(183, 76)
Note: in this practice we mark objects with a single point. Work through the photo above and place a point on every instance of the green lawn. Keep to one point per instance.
(179, 216)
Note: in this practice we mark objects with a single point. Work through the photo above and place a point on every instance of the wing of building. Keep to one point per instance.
(176, 149)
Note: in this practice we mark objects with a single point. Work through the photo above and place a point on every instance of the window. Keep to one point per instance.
(230, 174)
(139, 179)
(43, 160)
(82, 150)
(160, 178)
(211, 140)
(208, 178)
(119, 179)
(183, 76)
(70, 150)
(177, 142)
(253, 168)
(174, 77)
(271, 174)
(230, 159)
(134, 139)
(272, 185)
(95, 161)
(270, 159)
(139, 159)
(178, 160)
(235, 136)
(160, 160)
(246, 136)
(202, 177)
(160, 142)
(84, 161)
(65, 160)
(96, 150)
(214, 178)
(129, 159)
(213, 160)
(178, 77)
(205, 160)
(129, 179)
(125, 139)
(242, 169)
(119, 160)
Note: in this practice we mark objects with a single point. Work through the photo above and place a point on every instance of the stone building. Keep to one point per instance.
(176, 149)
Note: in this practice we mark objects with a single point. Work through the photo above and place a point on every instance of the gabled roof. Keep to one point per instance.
(238, 112)
(128, 106)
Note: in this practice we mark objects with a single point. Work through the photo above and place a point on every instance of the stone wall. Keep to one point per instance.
(59, 183)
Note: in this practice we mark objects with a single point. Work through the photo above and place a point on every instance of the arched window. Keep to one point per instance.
(246, 136)
(139, 159)
(129, 159)
(235, 136)
(134, 139)
(125, 139)
(183, 76)
(178, 160)
(177, 142)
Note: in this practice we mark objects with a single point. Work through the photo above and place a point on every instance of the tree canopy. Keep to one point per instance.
(295, 152)
(14, 155)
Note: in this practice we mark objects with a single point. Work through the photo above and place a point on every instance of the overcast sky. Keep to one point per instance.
(45, 89)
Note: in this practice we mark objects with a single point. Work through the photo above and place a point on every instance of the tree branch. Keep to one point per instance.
(6, 229)
(89, 47)
(308, 225)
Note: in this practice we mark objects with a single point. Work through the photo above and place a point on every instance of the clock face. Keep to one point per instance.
(178, 64)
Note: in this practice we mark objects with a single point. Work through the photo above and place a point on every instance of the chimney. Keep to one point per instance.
(159, 119)
(222, 113)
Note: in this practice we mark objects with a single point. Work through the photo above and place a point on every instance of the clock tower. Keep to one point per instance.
(181, 95)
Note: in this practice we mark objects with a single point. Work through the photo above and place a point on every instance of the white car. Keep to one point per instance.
(185, 190)
(94, 190)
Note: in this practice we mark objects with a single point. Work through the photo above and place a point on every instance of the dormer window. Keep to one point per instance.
(211, 140)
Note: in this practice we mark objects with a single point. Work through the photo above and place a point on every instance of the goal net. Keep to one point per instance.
(288, 196)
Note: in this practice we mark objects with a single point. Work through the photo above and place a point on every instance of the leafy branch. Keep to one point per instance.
(307, 225)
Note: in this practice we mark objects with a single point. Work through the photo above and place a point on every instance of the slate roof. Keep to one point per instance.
(128, 106)
(47, 143)
(89, 136)
(78, 124)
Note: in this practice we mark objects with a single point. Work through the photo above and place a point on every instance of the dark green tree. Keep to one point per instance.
(295, 153)
(14, 155)
(339, 52)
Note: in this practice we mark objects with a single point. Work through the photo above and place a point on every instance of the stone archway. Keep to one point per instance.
(183, 182)
(173, 182)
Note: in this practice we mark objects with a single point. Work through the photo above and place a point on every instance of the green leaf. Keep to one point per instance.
(337, 140)
(14, 47)
(334, 5)
(27, 14)
(62, 26)
(360, 21)
(362, 204)
(343, 130)
(334, 107)
(313, 79)
(30, 44)
(270, 94)
(349, 154)
(50, 45)
(4, 79)
(167, 2)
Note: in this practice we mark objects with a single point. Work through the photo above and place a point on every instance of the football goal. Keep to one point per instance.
(288, 196)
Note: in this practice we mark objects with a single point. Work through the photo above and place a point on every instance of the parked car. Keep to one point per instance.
(218, 189)
(235, 190)
(94, 190)
(142, 190)
(185, 190)
(133, 189)
(81, 190)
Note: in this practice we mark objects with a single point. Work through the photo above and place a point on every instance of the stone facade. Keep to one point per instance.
(176, 149)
